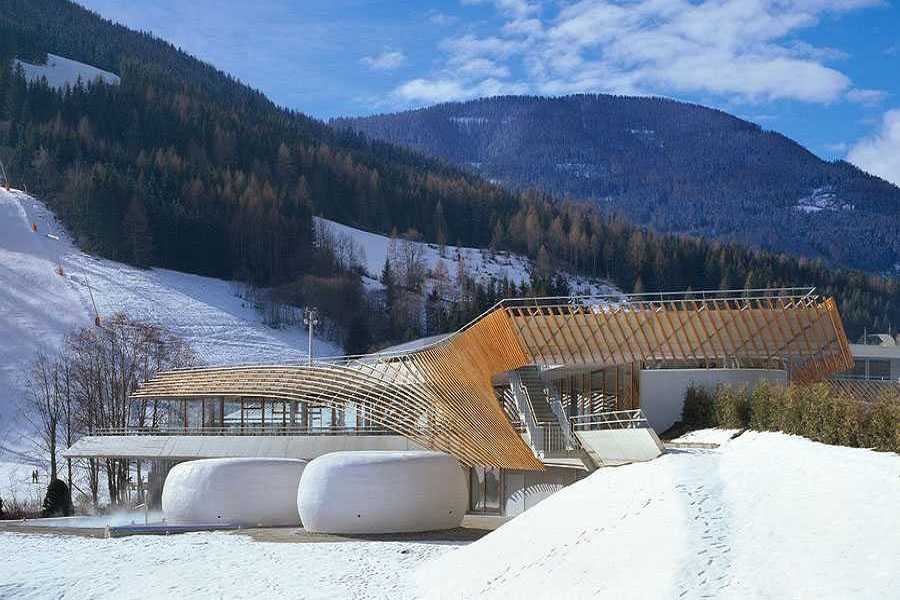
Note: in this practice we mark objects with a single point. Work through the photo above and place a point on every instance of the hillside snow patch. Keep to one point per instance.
(63, 72)
(766, 516)
(479, 263)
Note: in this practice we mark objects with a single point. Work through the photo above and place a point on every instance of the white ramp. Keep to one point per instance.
(609, 447)
(617, 437)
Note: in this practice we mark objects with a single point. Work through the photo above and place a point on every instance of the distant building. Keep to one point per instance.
(876, 357)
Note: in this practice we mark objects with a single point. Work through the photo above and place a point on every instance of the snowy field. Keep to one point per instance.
(61, 72)
(766, 515)
(38, 307)
(206, 565)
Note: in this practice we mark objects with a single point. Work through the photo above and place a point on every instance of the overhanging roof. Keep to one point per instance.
(440, 396)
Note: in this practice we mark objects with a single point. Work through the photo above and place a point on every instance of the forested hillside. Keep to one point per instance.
(677, 167)
(181, 166)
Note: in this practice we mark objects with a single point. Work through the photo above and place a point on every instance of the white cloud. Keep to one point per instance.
(880, 153)
(431, 91)
(738, 49)
(867, 97)
(439, 18)
(516, 8)
(386, 61)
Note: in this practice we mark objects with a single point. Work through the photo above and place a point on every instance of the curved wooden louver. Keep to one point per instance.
(442, 397)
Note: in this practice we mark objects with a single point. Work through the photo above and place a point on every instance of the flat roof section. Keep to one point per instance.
(188, 447)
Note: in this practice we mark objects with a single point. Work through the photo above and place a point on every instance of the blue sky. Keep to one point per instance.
(824, 72)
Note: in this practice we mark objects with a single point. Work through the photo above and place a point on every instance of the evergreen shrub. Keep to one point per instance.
(57, 502)
(812, 411)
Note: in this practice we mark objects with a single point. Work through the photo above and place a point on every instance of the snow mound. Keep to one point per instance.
(63, 72)
(766, 516)
(38, 307)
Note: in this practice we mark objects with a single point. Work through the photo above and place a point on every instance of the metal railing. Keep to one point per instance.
(554, 440)
(855, 377)
(616, 419)
(526, 411)
(249, 430)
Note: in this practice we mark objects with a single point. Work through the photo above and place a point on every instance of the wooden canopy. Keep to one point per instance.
(441, 396)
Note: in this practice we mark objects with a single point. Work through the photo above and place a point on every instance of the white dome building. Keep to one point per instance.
(382, 492)
(233, 491)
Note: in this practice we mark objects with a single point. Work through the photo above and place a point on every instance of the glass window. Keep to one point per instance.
(211, 416)
(492, 490)
(880, 369)
(485, 490)
(476, 489)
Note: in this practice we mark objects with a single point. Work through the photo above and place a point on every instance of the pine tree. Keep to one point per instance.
(137, 234)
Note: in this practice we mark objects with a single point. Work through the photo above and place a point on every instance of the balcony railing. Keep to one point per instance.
(616, 419)
(249, 430)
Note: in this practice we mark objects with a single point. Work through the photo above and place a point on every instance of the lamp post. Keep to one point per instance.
(310, 318)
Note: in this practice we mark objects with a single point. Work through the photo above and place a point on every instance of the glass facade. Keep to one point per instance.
(485, 490)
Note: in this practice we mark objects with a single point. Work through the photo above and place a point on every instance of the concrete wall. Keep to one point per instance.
(663, 390)
(524, 489)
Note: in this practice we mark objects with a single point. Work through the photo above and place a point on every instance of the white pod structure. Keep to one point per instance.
(382, 492)
(248, 492)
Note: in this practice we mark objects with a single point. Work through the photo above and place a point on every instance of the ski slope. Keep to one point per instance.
(61, 72)
(38, 307)
(765, 515)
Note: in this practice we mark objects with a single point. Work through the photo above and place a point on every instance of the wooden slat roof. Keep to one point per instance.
(441, 396)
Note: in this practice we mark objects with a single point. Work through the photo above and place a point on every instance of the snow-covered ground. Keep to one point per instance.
(38, 307)
(707, 436)
(61, 72)
(17, 487)
(481, 264)
(206, 565)
(765, 516)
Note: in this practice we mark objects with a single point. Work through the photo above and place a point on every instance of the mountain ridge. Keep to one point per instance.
(675, 166)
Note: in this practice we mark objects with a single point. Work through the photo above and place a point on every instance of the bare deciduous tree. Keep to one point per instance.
(44, 406)
(87, 390)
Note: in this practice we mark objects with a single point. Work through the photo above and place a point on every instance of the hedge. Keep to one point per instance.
(811, 411)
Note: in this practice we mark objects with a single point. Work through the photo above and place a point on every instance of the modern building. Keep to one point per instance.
(529, 397)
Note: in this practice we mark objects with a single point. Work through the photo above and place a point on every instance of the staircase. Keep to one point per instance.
(537, 394)
(549, 432)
